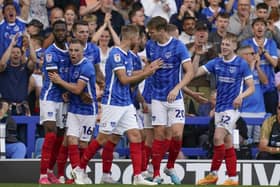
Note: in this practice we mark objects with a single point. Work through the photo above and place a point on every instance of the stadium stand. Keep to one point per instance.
(33, 121)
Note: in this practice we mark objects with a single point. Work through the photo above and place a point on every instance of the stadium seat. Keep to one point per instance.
(38, 147)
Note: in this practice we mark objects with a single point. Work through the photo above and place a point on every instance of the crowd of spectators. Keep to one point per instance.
(26, 31)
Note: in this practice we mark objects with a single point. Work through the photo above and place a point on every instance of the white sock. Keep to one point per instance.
(214, 173)
(232, 178)
(43, 176)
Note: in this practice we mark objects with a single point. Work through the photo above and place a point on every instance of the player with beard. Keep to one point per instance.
(118, 112)
(53, 111)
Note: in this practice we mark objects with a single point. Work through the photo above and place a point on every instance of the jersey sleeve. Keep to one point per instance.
(247, 73)
(273, 49)
(210, 66)
(183, 52)
(86, 72)
(148, 50)
(96, 55)
(116, 61)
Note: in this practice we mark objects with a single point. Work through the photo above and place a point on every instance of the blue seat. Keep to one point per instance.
(38, 147)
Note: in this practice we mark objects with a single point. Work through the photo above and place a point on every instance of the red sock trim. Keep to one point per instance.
(61, 160)
(107, 156)
(55, 151)
(136, 157)
(218, 157)
(173, 152)
(230, 159)
(47, 148)
(89, 153)
(74, 155)
(158, 150)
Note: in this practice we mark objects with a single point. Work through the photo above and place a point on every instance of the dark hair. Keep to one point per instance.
(132, 13)
(157, 23)
(187, 17)
(256, 20)
(137, 5)
(7, 3)
(19, 47)
(79, 22)
(224, 15)
(59, 22)
(262, 6)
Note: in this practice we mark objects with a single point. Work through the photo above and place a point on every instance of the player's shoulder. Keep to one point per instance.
(216, 60)
(116, 51)
(92, 45)
(150, 43)
(52, 49)
(86, 64)
(240, 60)
(176, 42)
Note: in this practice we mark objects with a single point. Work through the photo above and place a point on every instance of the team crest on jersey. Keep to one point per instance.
(153, 118)
(16, 28)
(167, 55)
(117, 57)
(48, 57)
(232, 69)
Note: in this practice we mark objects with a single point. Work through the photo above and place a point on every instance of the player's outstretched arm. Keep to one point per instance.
(147, 71)
(201, 71)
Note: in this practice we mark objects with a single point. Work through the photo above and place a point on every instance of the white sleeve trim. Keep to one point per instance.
(204, 67)
(186, 60)
(51, 68)
(117, 68)
(248, 77)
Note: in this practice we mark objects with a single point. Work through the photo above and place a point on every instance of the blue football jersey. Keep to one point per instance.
(209, 12)
(173, 53)
(230, 76)
(8, 31)
(137, 65)
(115, 93)
(55, 59)
(91, 52)
(83, 70)
(267, 68)
(147, 91)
